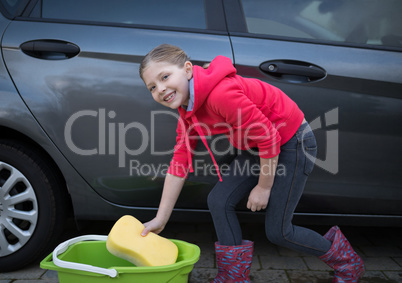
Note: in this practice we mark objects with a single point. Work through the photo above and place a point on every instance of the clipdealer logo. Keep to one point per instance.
(331, 161)
(115, 133)
(112, 134)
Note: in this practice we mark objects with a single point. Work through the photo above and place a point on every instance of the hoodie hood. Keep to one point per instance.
(205, 80)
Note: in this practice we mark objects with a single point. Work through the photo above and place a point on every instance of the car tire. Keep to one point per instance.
(32, 205)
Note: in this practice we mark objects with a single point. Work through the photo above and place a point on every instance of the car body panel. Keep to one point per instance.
(355, 112)
(15, 117)
(100, 99)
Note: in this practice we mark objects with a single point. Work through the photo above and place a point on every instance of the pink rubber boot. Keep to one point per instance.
(234, 262)
(348, 265)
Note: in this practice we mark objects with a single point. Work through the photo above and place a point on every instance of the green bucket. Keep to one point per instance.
(86, 259)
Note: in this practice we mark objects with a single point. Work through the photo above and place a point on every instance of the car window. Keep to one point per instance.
(12, 7)
(371, 22)
(173, 13)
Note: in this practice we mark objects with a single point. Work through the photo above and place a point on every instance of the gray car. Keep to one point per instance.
(81, 137)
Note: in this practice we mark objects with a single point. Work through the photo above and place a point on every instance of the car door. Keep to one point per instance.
(341, 61)
(75, 65)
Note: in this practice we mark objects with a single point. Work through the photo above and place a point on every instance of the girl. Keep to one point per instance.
(255, 116)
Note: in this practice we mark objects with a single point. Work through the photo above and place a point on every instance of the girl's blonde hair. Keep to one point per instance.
(164, 53)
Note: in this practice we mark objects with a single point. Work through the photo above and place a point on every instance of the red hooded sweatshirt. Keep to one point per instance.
(251, 113)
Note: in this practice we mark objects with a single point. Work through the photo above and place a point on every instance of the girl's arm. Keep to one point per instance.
(259, 196)
(267, 173)
(171, 191)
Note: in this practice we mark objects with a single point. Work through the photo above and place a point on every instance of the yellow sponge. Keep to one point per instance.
(125, 241)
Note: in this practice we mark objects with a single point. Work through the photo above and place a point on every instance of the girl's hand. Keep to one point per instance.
(155, 225)
(258, 198)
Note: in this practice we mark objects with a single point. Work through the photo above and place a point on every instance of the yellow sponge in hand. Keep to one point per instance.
(125, 241)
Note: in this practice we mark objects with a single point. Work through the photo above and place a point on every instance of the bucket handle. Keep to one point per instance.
(61, 248)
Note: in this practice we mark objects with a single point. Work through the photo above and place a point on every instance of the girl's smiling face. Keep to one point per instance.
(168, 83)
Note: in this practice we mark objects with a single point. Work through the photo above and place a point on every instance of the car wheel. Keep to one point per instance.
(32, 208)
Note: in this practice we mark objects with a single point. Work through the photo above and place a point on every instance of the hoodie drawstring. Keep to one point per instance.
(204, 140)
(189, 157)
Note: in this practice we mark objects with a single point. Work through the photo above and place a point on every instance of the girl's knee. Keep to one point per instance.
(276, 237)
(218, 203)
(213, 201)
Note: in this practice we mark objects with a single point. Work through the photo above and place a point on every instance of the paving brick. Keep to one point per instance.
(202, 275)
(288, 252)
(50, 275)
(393, 275)
(30, 272)
(301, 276)
(375, 277)
(269, 276)
(314, 263)
(398, 260)
(256, 263)
(325, 277)
(281, 262)
(381, 263)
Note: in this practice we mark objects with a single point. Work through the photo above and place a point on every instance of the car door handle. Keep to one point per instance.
(50, 49)
(293, 71)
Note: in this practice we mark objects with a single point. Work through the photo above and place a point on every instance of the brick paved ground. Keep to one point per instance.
(380, 248)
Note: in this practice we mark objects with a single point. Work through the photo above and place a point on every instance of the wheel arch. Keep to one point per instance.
(16, 136)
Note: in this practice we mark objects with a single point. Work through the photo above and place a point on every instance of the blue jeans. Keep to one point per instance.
(295, 163)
